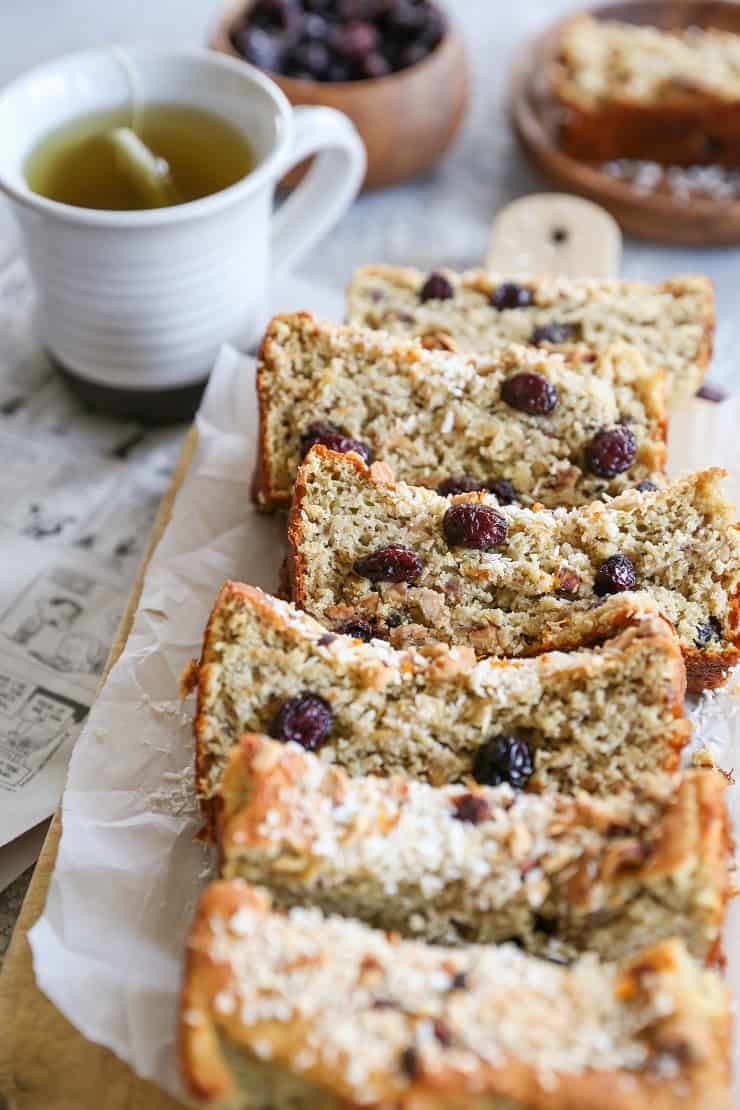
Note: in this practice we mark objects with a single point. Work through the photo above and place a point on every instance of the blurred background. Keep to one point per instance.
(442, 217)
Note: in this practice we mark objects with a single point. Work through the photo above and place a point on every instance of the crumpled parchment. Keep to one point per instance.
(108, 949)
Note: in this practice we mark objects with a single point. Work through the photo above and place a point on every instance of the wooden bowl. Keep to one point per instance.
(407, 120)
(658, 215)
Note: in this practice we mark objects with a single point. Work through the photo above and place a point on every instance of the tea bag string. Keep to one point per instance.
(148, 174)
(123, 58)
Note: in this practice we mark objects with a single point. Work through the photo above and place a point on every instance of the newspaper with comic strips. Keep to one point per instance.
(78, 496)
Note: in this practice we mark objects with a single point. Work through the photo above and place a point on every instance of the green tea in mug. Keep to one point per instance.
(153, 157)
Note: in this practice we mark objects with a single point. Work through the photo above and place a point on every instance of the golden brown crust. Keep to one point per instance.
(687, 1051)
(631, 625)
(386, 297)
(599, 856)
(296, 563)
(323, 354)
(689, 133)
(708, 670)
(203, 1065)
(704, 669)
(263, 495)
(684, 123)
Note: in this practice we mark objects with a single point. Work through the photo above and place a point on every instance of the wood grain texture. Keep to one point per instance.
(535, 115)
(407, 120)
(45, 1063)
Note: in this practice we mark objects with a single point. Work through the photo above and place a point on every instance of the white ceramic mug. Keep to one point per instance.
(141, 301)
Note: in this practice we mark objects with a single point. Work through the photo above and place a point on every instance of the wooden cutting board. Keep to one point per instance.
(45, 1063)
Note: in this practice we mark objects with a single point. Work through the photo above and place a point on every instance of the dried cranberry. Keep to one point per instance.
(258, 47)
(462, 484)
(312, 58)
(283, 14)
(306, 720)
(407, 17)
(611, 451)
(510, 295)
(358, 629)
(413, 54)
(646, 486)
(339, 71)
(530, 392)
(434, 27)
(329, 435)
(554, 333)
(385, 1004)
(339, 40)
(350, 10)
(546, 925)
(314, 27)
(504, 759)
(392, 563)
(374, 66)
(459, 981)
(471, 808)
(442, 1032)
(355, 40)
(479, 526)
(436, 288)
(617, 573)
(504, 490)
(326, 639)
(410, 1063)
(708, 630)
(711, 393)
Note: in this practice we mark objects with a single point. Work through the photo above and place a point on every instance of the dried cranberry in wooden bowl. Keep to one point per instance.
(408, 116)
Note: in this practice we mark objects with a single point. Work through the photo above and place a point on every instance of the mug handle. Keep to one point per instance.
(327, 190)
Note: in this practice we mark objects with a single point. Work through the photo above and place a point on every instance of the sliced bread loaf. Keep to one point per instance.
(512, 580)
(557, 875)
(297, 1010)
(635, 91)
(521, 422)
(595, 719)
(671, 322)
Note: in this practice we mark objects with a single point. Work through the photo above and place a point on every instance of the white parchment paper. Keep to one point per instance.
(108, 948)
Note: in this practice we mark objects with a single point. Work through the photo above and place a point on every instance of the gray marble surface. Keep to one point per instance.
(444, 217)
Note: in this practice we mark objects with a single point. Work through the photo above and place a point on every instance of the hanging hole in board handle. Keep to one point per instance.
(554, 233)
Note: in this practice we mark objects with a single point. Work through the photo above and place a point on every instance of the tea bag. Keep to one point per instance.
(146, 172)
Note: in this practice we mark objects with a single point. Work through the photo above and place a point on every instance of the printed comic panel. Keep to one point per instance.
(64, 619)
(34, 723)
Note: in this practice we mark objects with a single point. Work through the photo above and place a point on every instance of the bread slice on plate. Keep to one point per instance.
(520, 422)
(556, 874)
(595, 719)
(634, 91)
(298, 1010)
(510, 580)
(671, 322)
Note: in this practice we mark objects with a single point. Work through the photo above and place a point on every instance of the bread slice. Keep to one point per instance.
(633, 91)
(596, 719)
(557, 875)
(432, 415)
(671, 323)
(535, 590)
(297, 1011)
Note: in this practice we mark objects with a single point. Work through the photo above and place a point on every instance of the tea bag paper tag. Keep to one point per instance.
(147, 173)
(555, 233)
